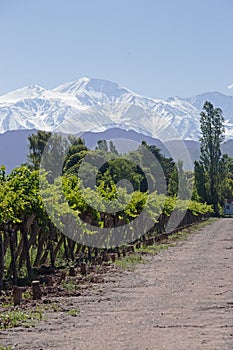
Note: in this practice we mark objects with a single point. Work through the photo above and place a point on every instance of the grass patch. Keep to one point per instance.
(16, 318)
(69, 285)
(203, 224)
(73, 312)
(153, 249)
(27, 295)
(7, 304)
(180, 235)
(129, 262)
(51, 306)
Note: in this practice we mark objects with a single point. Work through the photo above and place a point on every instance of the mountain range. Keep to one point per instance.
(99, 109)
(98, 105)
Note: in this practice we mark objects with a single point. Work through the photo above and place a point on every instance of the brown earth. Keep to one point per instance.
(181, 299)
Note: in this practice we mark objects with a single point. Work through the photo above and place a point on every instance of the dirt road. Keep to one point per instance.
(181, 299)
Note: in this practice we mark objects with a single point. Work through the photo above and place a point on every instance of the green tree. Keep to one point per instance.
(161, 167)
(112, 148)
(48, 150)
(211, 164)
(173, 184)
(102, 145)
(75, 154)
(199, 192)
(37, 143)
(119, 169)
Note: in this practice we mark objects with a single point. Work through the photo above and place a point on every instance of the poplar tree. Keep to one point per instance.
(211, 163)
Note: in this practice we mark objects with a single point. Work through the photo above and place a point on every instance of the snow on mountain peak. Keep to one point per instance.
(87, 104)
(28, 92)
(225, 102)
(91, 85)
(23, 93)
(72, 87)
(91, 92)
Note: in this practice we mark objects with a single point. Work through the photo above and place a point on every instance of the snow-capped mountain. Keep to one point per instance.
(97, 105)
(225, 102)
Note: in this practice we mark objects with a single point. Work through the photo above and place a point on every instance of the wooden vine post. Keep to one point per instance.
(83, 268)
(17, 295)
(36, 291)
(62, 277)
(72, 271)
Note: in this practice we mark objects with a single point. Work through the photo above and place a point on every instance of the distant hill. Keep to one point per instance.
(14, 148)
(14, 145)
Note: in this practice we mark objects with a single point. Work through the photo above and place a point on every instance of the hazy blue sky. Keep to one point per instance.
(156, 48)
